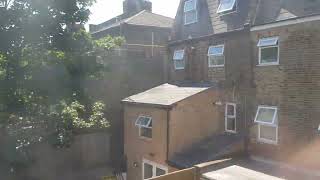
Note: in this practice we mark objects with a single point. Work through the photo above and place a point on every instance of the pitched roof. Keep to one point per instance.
(209, 149)
(147, 18)
(143, 18)
(164, 95)
(279, 10)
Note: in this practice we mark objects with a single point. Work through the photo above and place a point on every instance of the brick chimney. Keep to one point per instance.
(131, 7)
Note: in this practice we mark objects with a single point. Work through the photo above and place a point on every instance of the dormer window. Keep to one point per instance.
(178, 59)
(190, 12)
(227, 6)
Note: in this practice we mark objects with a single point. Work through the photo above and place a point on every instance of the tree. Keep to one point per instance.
(45, 54)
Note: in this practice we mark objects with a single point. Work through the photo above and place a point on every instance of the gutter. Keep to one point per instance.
(246, 27)
(169, 107)
(168, 134)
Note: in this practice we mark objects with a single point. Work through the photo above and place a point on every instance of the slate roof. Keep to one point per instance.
(165, 95)
(278, 10)
(246, 168)
(143, 18)
(207, 150)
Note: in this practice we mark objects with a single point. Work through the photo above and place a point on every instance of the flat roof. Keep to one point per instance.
(165, 95)
(237, 172)
(255, 168)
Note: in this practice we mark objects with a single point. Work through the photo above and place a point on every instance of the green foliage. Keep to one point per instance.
(3, 65)
(109, 42)
(73, 116)
(45, 56)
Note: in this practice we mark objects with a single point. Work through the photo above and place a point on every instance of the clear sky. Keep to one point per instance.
(104, 10)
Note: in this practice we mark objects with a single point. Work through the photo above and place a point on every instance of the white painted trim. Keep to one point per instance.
(226, 116)
(286, 23)
(274, 116)
(269, 64)
(191, 22)
(209, 55)
(143, 116)
(139, 126)
(216, 46)
(268, 141)
(195, 9)
(183, 59)
(154, 167)
(227, 11)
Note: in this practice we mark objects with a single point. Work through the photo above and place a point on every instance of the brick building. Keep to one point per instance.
(154, 130)
(134, 67)
(262, 59)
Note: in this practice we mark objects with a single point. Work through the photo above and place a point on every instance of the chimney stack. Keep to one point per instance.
(131, 7)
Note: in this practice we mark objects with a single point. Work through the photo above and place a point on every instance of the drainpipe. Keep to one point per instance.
(168, 133)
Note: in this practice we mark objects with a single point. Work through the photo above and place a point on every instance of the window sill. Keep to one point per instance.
(231, 132)
(179, 69)
(222, 66)
(226, 13)
(269, 64)
(145, 139)
(267, 142)
(187, 24)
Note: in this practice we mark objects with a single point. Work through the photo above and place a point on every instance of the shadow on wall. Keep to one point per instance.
(87, 152)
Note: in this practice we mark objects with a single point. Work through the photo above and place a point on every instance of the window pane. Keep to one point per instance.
(146, 132)
(179, 64)
(147, 171)
(269, 55)
(178, 55)
(216, 61)
(143, 121)
(226, 5)
(273, 41)
(265, 115)
(217, 50)
(190, 17)
(189, 5)
(231, 124)
(160, 172)
(230, 110)
(268, 132)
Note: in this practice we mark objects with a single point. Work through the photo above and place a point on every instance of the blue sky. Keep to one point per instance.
(106, 9)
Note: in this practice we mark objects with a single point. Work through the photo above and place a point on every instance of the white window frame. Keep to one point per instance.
(266, 47)
(2, 4)
(143, 126)
(273, 124)
(231, 117)
(268, 141)
(154, 167)
(222, 54)
(183, 59)
(227, 11)
(195, 9)
(274, 116)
